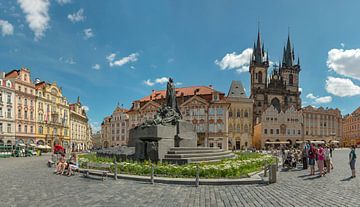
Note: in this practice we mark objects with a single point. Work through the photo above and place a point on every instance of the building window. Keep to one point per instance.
(9, 128)
(31, 115)
(25, 129)
(291, 79)
(211, 111)
(25, 115)
(299, 132)
(211, 144)
(238, 114)
(9, 98)
(265, 131)
(220, 111)
(246, 114)
(19, 128)
(40, 129)
(277, 131)
(219, 144)
(271, 131)
(19, 113)
(230, 114)
(260, 77)
(9, 113)
(31, 129)
(1, 127)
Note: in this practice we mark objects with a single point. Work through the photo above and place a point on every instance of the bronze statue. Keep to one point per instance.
(168, 114)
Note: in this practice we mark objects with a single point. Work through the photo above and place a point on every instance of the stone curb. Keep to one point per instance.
(254, 179)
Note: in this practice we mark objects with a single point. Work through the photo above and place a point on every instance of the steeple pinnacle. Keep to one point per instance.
(258, 51)
(288, 57)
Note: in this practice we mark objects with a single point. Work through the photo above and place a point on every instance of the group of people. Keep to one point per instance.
(321, 155)
(70, 165)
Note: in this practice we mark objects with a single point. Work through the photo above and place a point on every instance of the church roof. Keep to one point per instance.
(237, 90)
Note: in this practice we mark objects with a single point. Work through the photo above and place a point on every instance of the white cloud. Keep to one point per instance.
(77, 17)
(95, 126)
(239, 62)
(162, 80)
(311, 96)
(122, 61)
(70, 60)
(345, 62)
(37, 16)
(342, 44)
(132, 67)
(300, 89)
(149, 83)
(88, 33)
(63, 2)
(96, 67)
(341, 87)
(86, 108)
(319, 100)
(170, 60)
(6, 28)
(178, 84)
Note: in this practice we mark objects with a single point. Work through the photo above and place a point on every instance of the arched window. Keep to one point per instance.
(260, 77)
(291, 79)
(276, 103)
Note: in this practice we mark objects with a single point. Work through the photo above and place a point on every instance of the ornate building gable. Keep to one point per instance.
(194, 101)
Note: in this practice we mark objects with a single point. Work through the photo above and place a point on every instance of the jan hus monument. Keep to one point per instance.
(155, 137)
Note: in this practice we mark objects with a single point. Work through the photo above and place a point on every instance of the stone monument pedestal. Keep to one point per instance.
(154, 142)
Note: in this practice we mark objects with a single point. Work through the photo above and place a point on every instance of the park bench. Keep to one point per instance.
(101, 168)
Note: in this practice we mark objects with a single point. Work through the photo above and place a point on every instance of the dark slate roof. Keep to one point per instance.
(237, 90)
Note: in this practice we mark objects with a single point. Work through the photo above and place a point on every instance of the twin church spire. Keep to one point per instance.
(259, 57)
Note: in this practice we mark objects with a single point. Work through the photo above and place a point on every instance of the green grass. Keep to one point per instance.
(238, 167)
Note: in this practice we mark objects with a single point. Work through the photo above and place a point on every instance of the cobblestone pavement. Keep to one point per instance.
(28, 182)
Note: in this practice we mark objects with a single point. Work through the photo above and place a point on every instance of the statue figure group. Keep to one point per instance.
(168, 114)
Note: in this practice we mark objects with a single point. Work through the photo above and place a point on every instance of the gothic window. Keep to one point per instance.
(230, 113)
(276, 103)
(238, 113)
(260, 77)
(246, 114)
(259, 103)
(291, 79)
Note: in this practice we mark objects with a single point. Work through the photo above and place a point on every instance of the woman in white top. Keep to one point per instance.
(327, 159)
(73, 164)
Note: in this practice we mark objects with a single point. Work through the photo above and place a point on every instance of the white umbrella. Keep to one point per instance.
(41, 147)
(47, 147)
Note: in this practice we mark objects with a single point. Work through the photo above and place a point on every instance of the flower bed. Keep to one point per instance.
(240, 166)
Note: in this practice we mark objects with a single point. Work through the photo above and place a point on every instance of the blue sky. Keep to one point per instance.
(118, 51)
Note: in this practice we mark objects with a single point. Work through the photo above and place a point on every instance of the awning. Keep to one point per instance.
(279, 142)
(317, 142)
(41, 147)
(47, 147)
(299, 142)
(334, 141)
(33, 145)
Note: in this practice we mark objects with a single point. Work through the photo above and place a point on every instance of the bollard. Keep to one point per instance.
(197, 182)
(265, 169)
(272, 174)
(115, 169)
(152, 174)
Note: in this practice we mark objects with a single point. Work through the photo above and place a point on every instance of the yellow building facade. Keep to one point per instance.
(52, 113)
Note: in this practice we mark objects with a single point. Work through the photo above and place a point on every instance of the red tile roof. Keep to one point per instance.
(186, 91)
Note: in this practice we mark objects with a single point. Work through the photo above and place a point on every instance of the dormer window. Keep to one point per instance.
(215, 97)
(25, 77)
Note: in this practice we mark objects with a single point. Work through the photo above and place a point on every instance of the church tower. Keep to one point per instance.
(259, 64)
(289, 71)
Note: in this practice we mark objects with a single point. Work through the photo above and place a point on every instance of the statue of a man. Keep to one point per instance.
(171, 96)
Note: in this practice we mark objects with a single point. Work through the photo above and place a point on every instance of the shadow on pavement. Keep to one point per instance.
(313, 178)
(347, 179)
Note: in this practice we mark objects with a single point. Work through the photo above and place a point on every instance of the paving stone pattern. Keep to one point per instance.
(28, 182)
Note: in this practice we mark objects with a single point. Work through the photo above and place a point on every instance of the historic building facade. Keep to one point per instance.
(351, 128)
(322, 124)
(7, 110)
(281, 89)
(115, 128)
(106, 132)
(278, 126)
(79, 127)
(52, 108)
(203, 106)
(24, 106)
(240, 117)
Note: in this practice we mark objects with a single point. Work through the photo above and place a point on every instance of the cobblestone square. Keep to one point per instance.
(28, 182)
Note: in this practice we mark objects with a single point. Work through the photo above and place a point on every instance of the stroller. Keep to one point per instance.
(290, 161)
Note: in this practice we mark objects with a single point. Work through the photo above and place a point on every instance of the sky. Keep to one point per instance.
(117, 51)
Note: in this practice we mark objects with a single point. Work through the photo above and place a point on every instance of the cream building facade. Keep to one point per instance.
(7, 111)
(79, 136)
(52, 108)
(278, 126)
(322, 124)
(240, 117)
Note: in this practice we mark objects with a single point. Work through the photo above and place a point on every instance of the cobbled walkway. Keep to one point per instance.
(28, 182)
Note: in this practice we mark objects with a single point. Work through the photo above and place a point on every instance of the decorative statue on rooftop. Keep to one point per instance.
(169, 113)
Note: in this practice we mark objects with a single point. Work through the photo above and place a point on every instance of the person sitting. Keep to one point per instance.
(61, 165)
(73, 164)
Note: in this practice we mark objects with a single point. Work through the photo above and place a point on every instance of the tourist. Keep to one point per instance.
(327, 159)
(320, 161)
(73, 164)
(352, 160)
(61, 165)
(305, 157)
(311, 155)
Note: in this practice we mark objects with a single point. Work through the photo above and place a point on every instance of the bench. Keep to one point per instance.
(103, 169)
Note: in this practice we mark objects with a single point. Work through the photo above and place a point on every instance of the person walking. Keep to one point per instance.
(311, 155)
(305, 157)
(320, 161)
(327, 159)
(352, 160)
